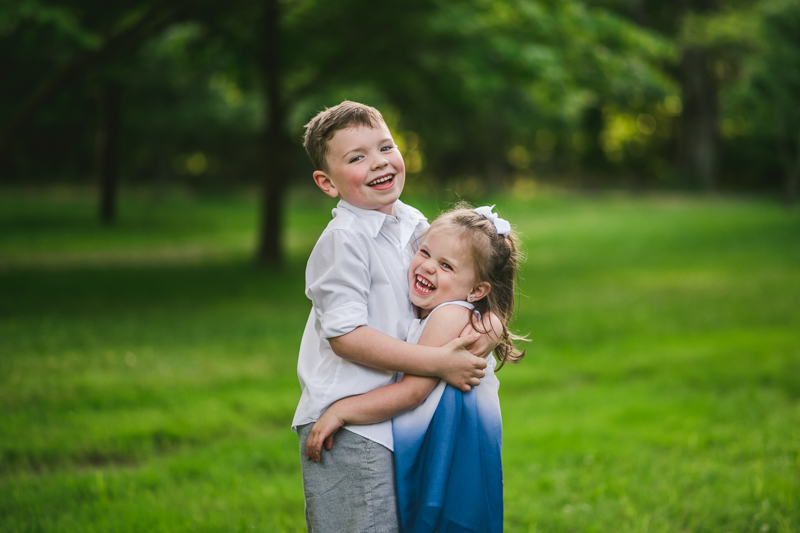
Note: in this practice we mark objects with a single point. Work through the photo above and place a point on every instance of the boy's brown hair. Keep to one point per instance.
(324, 126)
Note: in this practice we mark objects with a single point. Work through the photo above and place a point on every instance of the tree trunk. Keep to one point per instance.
(106, 151)
(270, 250)
(791, 165)
(699, 120)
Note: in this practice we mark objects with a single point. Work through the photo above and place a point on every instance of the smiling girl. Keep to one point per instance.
(447, 443)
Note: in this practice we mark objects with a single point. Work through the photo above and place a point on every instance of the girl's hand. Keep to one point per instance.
(322, 433)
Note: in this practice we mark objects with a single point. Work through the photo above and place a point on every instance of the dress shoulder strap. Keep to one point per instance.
(462, 303)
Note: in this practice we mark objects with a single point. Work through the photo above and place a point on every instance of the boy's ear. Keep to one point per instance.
(479, 291)
(324, 182)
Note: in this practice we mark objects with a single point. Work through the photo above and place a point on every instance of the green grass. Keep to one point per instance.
(147, 371)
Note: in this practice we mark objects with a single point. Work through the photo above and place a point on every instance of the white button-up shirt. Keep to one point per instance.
(356, 276)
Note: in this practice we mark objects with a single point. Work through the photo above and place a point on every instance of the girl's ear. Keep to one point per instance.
(479, 291)
(324, 182)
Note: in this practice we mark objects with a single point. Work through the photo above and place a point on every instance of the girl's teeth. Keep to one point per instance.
(424, 286)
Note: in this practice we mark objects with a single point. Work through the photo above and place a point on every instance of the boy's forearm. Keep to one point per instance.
(370, 347)
(451, 362)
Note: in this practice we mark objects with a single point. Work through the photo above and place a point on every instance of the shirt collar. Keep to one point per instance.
(406, 213)
(373, 220)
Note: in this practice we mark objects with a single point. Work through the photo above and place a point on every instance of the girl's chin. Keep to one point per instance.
(426, 305)
(421, 302)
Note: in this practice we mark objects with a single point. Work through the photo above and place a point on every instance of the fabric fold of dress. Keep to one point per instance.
(447, 455)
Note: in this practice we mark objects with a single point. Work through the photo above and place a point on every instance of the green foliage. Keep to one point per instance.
(187, 116)
(469, 81)
(59, 20)
(147, 375)
(473, 82)
(762, 103)
(480, 94)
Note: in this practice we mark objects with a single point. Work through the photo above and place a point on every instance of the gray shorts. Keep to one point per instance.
(352, 488)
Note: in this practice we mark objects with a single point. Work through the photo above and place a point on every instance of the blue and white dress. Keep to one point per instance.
(447, 455)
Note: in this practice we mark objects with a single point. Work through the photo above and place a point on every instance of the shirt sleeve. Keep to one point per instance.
(338, 282)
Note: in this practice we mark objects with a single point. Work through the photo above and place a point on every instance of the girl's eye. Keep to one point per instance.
(387, 148)
(425, 253)
(447, 266)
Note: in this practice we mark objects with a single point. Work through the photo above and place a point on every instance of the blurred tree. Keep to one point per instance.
(193, 110)
(86, 35)
(270, 249)
(778, 80)
(737, 86)
(762, 103)
(682, 22)
(526, 73)
(94, 36)
(203, 93)
(475, 81)
(107, 150)
(699, 141)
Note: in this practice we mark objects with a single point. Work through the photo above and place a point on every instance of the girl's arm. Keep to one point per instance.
(390, 400)
(375, 406)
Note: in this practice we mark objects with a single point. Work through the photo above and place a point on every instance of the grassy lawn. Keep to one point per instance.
(147, 371)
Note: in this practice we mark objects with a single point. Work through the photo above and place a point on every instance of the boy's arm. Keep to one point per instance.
(339, 291)
(390, 400)
(451, 362)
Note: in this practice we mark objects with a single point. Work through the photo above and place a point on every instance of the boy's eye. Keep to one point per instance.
(387, 148)
(357, 158)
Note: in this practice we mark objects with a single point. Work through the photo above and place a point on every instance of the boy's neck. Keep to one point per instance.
(388, 210)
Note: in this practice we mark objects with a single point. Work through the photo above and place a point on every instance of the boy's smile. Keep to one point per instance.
(365, 168)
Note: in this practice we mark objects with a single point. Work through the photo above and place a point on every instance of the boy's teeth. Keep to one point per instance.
(380, 180)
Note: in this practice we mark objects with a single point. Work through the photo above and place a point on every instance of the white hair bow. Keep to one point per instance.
(501, 225)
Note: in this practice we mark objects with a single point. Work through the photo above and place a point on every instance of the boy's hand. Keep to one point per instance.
(322, 433)
(461, 369)
(491, 325)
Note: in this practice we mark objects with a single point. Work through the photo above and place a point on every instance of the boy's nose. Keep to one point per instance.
(379, 162)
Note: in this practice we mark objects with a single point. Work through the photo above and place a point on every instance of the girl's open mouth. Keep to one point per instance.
(423, 286)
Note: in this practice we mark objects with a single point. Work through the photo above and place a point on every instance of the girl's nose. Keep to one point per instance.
(429, 266)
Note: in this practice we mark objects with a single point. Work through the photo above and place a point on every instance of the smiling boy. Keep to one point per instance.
(364, 167)
(354, 338)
